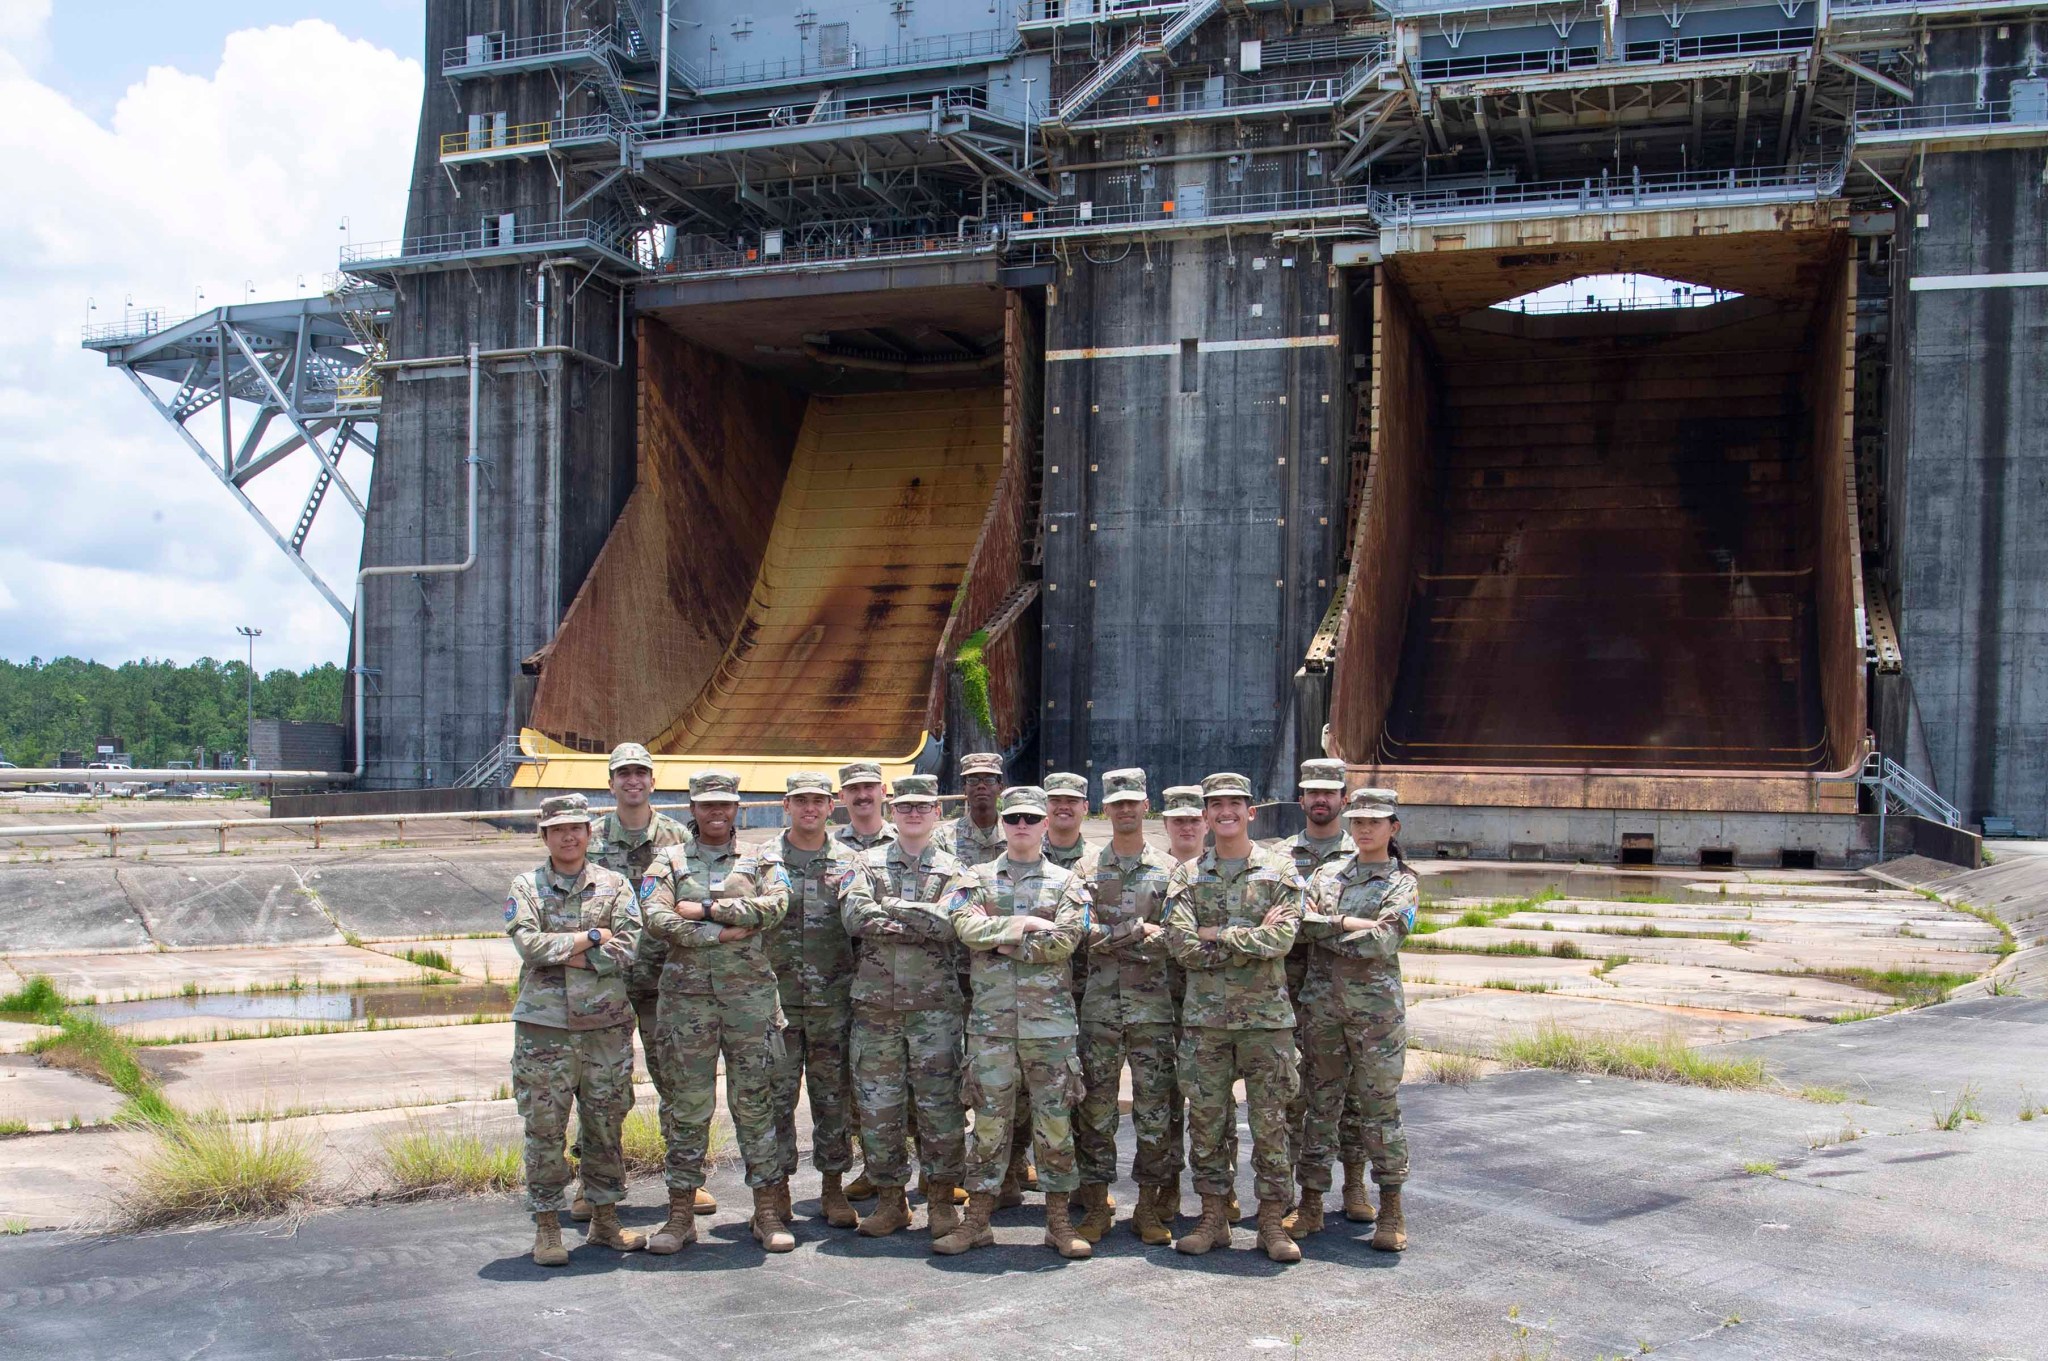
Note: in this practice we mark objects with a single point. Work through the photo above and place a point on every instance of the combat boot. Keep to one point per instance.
(1012, 1194)
(547, 1240)
(681, 1229)
(767, 1224)
(782, 1209)
(1308, 1216)
(1212, 1232)
(941, 1215)
(607, 1232)
(1060, 1234)
(972, 1231)
(1233, 1209)
(1392, 1233)
(1273, 1237)
(1145, 1219)
(832, 1203)
(1357, 1199)
(704, 1203)
(579, 1208)
(892, 1212)
(861, 1187)
(1098, 1212)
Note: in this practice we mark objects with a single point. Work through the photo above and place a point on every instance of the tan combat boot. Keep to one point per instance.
(681, 1229)
(1308, 1216)
(579, 1209)
(1232, 1208)
(1060, 1234)
(973, 1230)
(941, 1215)
(607, 1232)
(1212, 1232)
(892, 1212)
(1098, 1212)
(832, 1203)
(767, 1224)
(1357, 1199)
(1146, 1222)
(1012, 1193)
(704, 1203)
(547, 1240)
(1392, 1233)
(1273, 1237)
(782, 1210)
(861, 1187)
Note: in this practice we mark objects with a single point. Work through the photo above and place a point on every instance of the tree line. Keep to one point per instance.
(162, 711)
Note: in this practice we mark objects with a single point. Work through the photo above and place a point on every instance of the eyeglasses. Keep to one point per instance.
(1023, 819)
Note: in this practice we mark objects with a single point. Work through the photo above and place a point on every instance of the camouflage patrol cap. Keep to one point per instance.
(914, 789)
(563, 810)
(808, 782)
(1321, 774)
(1123, 786)
(630, 754)
(1183, 801)
(1066, 784)
(1225, 785)
(714, 786)
(859, 772)
(981, 763)
(1022, 798)
(1372, 803)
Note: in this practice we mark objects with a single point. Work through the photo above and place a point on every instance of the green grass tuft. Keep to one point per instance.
(974, 677)
(1609, 965)
(1565, 949)
(12, 1126)
(1823, 1096)
(1913, 987)
(430, 959)
(1451, 1069)
(1761, 1168)
(423, 1160)
(36, 1002)
(1662, 1059)
(1960, 1109)
(216, 1169)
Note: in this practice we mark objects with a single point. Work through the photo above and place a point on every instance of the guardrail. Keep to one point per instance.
(135, 325)
(1311, 91)
(1167, 212)
(1054, 12)
(839, 110)
(456, 60)
(528, 136)
(824, 254)
(937, 50)
(1941, 117)
(1896, 784)
(1607, 194)
(571, 231)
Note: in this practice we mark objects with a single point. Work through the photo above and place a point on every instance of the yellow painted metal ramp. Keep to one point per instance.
(878, 517)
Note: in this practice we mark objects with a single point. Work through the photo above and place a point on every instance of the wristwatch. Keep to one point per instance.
(596, 936)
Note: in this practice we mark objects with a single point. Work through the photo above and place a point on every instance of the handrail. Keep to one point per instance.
(467, 142)
(523, 234)
(1893, 781)
(724, 259)
(455, 60)
(1915, 117)
(935, 50)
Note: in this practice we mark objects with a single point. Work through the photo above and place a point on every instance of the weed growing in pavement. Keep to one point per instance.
(423, 1159)
(14, 1228)
(1510, 985)
(1861, 1014)
(1662, 1059)
(1958, 1110)
(429, 959)
(2006, 943)
(214, 1168)
(2001, 987)
(86, 1046)
(13, 1126)
(1514, 947)
(1564, 949)
(1763, 1167)
(1914, 987)
(1451, 1069)
(37, 1002)
(1609, 965)
(1823, 1096)
(1847, 1134)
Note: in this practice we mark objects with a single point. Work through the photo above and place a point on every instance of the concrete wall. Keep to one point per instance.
(1190, 550)
(444, 652)
(1967, 471)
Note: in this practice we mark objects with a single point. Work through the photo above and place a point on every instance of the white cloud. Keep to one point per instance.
(118, 542)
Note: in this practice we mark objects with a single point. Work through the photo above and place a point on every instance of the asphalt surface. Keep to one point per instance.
(1550, 1217)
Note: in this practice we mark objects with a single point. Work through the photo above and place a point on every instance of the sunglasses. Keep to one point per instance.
(1023, 819)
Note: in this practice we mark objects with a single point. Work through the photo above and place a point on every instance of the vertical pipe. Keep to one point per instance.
(661, 109)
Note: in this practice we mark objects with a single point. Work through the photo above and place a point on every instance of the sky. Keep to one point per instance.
(153, 149)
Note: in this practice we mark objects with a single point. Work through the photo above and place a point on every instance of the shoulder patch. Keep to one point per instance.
(511, 908)
(647, 886)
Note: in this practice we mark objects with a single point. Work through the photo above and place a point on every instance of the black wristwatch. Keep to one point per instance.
(596, 936)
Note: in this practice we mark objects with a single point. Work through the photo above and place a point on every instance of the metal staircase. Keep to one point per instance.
(1150, 41)
(496, 767)
(1899, 790)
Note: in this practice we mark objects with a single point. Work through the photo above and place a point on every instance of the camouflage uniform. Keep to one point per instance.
(572, 1033)
(1021, 1027)
(1130, 1011)
(969, 844)
(1236, 1020)
(1356, 1017)
(847, 836)
(813, 961)
(717, 998)
(907, 1014)
(1310, 855)
(628, 853)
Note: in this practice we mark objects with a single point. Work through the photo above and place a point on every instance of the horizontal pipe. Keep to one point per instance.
(516, 352)
(122, 775)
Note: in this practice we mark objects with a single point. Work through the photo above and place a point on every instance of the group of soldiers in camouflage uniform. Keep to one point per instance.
(900, 972)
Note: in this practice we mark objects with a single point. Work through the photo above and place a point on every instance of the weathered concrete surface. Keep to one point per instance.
(1604, 1216)
(18, 1035)
(36, 1095)
(1479, 1021)
(76, 906)
(405, 894)
(1675, 985)
(116, 977)
(487, 961)
(2015, 889)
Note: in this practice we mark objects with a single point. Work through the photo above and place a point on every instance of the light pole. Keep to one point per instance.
(252, 635)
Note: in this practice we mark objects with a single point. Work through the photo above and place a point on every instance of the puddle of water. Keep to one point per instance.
(381, 1003)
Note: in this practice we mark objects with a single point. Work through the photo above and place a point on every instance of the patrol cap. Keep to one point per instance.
(808, 782)
(1183, 801)
(1226, 785)
(1123, 786)
(1022, 798)
(563, 810)
(1067, 784)
(914, 789)
(859, 772)
(1322, 773)
(630, 754)
(981, 763)
(1372, 803)
(714, 786)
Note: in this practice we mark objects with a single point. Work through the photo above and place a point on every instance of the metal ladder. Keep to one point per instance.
(1899, 789)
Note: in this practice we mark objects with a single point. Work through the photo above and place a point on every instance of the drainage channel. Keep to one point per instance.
(338, 1005)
